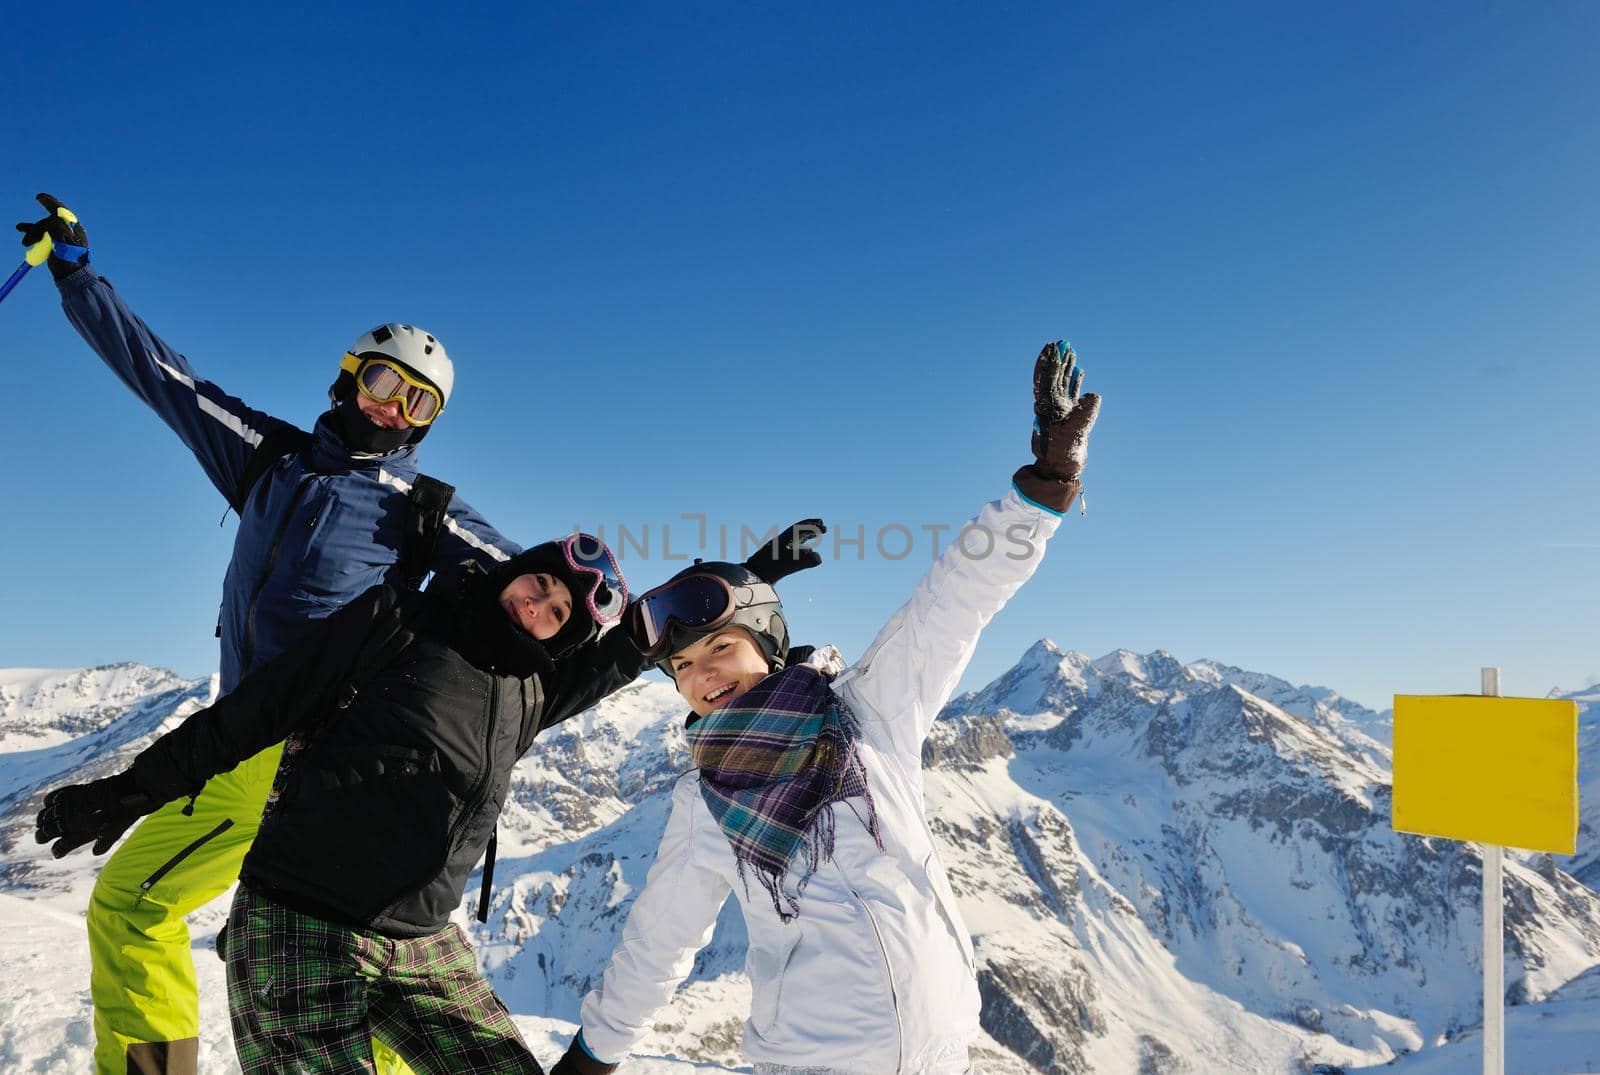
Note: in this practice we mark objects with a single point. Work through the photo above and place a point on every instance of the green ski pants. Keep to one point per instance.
(141, 977)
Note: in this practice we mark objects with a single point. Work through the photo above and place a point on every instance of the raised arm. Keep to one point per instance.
(911, 668)
(220, 430)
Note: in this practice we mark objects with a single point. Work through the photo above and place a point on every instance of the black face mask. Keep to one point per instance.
(507, 646)
(361, 434)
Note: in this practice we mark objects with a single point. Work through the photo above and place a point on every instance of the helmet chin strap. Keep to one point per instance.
(364, 436)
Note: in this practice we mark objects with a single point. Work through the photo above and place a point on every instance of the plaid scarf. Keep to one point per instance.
(772, 764)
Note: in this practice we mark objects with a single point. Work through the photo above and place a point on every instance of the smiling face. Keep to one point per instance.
(718, 669)
(383, 415)
(538, 603)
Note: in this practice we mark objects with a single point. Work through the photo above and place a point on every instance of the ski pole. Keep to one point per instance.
(36, 255)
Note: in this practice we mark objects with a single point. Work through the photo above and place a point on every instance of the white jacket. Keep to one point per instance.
(876, 973)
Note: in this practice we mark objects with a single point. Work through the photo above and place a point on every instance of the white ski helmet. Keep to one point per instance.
(411, 347)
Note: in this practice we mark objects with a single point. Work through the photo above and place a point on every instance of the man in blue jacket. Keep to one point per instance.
(322, 517)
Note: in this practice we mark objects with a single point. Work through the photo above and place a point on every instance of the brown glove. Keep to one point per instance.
(1062, 421)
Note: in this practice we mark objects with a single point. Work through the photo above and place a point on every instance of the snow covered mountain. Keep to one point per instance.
(1231, 839)
(44, 708)
(65, 726)
(1166, 868)
(1585, 865)
(1558, 1036)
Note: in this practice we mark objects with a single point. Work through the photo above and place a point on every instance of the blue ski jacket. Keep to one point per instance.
(320, 527)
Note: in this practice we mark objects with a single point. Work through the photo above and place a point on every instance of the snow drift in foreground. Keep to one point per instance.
(1166, 868)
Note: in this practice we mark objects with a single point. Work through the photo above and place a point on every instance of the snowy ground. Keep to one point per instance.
(1557, 1037)
(45, 1022)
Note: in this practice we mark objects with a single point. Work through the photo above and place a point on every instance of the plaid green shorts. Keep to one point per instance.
(305, 994)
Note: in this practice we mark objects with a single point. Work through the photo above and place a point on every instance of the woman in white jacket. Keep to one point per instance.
(810, 780)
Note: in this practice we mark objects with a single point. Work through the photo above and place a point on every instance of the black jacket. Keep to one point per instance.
(403, 715)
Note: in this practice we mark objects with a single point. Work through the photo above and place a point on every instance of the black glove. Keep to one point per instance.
(100, 810)
(577, 1062)
(1062, 421)
(789, 552)
(70, 243)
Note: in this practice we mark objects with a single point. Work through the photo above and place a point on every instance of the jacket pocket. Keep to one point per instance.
(366, 826)
(344, 768)
(767, 968)
(316, 529)
(944, 899)
(176, 860)
(863, 665)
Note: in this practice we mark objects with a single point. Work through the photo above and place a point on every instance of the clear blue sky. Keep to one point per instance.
(1334, 270)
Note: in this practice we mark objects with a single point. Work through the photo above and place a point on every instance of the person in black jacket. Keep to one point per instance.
(323, 514)
(404, 714)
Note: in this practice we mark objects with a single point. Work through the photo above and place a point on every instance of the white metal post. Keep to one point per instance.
(1494, 988)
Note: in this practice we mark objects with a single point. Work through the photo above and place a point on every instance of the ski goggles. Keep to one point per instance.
(588, 555)
(383, 381)
(694, 602)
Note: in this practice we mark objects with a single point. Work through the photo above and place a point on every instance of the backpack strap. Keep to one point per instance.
(488, 874)
(430, 501)
(275, 444)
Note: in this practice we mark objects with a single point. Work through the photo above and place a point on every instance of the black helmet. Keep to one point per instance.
(701, 600)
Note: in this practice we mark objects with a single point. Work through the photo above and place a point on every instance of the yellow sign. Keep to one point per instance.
(1490, 770)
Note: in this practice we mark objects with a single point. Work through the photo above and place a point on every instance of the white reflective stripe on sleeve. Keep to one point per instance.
(227, 418)
(467, 536)
(476, 542)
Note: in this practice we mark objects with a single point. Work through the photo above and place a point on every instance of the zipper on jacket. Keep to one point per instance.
(248, 656)
(476, 797)
(470, 806)
(894, 996)
(167, 867)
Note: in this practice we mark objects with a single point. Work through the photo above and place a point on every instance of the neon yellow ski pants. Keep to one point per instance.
(141, 976)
